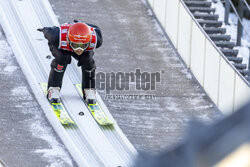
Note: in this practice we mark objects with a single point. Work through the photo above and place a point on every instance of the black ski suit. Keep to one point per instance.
(63, 57)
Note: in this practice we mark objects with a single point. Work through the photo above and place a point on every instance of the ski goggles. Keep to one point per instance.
(76, 46)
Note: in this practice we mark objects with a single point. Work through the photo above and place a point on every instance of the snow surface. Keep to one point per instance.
(56, 151)
(232, 30)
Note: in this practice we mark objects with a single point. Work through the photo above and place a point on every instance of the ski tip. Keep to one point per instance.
(107, 124)
(70, 126)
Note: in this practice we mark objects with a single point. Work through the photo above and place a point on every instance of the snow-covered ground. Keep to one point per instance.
(27, 108)
(232, 30)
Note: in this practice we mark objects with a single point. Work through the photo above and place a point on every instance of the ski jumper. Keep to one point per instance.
(62, 53)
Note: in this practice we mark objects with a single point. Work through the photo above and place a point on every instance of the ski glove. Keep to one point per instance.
(40, 29)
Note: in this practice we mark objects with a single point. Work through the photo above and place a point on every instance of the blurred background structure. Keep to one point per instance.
(224, 144)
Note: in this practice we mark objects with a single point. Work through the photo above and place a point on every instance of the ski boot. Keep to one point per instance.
(89, 95)
(53, 94)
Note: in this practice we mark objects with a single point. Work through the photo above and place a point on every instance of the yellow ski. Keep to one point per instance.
(95, 109)
(59, 109)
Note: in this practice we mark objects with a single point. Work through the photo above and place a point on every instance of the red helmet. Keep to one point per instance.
(79, 35)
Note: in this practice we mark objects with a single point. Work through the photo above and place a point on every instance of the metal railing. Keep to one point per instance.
(239, 15)
(240, 26)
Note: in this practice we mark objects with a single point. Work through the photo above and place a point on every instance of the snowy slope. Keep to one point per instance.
(24, 129)
(132, 40)
(30, 47)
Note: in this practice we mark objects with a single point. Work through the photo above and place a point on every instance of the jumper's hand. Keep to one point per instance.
(40, 29)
